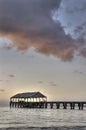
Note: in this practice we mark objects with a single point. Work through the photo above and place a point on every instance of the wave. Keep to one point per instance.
(46, 128)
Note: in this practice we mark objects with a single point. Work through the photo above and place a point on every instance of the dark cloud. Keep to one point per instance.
(12, 75)
(29, 23)
(29, 15)
(80, 31)
(2, 81)
(40, 82)
(2, 90)
(78, 72)
(52, 84)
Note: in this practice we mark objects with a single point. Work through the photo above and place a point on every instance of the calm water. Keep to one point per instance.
(36, 119)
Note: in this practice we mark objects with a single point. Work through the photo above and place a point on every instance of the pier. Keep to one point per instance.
(38, 100)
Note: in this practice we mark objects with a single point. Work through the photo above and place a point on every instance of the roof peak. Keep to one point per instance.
(29, 95)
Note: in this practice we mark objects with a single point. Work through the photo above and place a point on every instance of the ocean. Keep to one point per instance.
(42, 119)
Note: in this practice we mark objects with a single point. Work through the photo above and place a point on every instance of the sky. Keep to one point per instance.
(43, 48)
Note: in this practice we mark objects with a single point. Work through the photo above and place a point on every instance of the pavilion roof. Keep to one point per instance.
(29, 95)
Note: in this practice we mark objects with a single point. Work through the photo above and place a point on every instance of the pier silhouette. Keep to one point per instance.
(38, 100)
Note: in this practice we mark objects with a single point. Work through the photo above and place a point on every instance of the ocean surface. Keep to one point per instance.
(42, 119)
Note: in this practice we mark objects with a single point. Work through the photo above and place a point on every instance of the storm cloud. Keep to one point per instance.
(29, 23)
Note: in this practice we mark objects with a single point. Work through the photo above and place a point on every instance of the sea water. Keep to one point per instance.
(42, 119)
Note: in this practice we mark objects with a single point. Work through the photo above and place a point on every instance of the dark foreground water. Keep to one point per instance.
(42, 119)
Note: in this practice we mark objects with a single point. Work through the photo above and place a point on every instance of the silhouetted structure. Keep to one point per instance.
(30, 100)
(38, 100)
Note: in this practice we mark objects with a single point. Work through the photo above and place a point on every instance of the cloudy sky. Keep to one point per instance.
(43, 48)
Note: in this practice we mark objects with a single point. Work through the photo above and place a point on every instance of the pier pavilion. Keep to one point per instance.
(29, 99)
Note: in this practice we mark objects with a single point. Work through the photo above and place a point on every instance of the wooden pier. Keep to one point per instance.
(38, 100)
(49, 104)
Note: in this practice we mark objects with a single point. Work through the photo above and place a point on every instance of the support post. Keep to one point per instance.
(58, 105)
(65, 105)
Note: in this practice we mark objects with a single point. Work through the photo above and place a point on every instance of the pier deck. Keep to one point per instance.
(50, 104)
